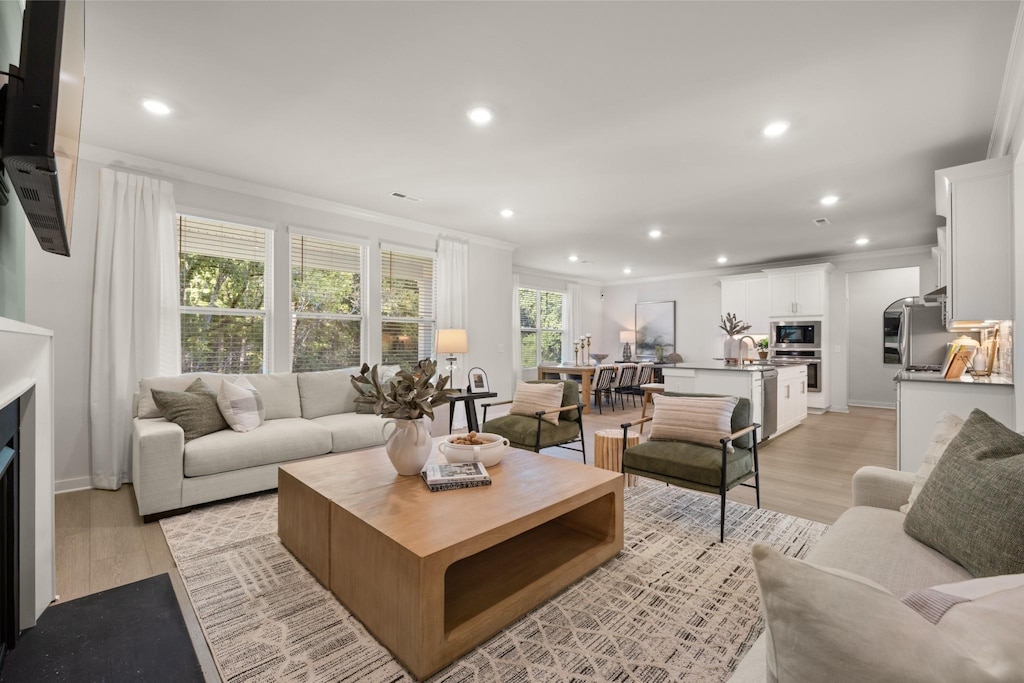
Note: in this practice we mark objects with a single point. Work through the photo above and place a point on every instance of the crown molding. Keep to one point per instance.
(172, 172)
(520, 270)
(1008, 128)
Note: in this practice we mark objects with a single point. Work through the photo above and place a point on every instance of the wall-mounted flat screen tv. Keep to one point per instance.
(42, 118)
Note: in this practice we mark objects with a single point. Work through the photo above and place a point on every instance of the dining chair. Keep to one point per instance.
(604, 385)
(625, 382)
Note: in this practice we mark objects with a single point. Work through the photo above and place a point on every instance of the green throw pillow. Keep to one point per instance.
(195, 410)
(971, 508)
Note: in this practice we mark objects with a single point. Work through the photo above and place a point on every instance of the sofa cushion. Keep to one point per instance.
(352, 431)
(690, 462)
(195, 410)
(826, 624)
(870, 542)
(240, 404)
(947, 427)
(328, 392)
(703, 420)
(276, 441)
(280, 393)
(534, 397)
(147, 408)
(971, 508)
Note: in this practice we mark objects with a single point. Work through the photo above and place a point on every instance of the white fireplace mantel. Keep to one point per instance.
(26, 370)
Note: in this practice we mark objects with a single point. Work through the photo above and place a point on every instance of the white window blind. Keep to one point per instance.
(222, 267)
(407, 307)
(326, 293)
(541, 327)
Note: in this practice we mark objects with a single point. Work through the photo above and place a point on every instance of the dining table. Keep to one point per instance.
(586, 372)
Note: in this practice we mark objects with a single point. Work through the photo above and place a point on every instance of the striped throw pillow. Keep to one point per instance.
(531, 398)
(703, 420)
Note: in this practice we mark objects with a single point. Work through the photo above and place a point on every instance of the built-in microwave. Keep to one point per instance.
(796, 335)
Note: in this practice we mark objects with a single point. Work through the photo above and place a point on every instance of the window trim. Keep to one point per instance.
(539, 330)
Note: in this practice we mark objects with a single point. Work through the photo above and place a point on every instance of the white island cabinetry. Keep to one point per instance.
(792, 396)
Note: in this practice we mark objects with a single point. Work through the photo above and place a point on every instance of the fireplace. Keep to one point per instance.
(10, 418)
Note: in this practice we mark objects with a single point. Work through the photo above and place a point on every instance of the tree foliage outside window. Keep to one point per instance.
(541, 332)
(326, 293)
(223, 282)
(407, 308)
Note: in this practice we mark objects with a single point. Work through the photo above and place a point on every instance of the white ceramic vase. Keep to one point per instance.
(409, 445)
(732, 349)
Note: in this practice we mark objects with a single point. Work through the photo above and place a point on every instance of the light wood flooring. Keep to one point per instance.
(101, 541)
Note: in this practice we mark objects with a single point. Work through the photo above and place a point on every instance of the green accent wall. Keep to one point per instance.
(12, 219)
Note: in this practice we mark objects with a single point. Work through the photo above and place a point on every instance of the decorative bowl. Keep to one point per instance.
(489, 454)
(598, 357)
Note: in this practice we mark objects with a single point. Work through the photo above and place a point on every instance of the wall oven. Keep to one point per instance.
(796, 335)
(810, 357)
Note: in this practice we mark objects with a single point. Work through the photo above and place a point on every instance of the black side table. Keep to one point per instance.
(469, 401)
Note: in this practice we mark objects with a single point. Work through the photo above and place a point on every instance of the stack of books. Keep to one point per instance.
(455, 476)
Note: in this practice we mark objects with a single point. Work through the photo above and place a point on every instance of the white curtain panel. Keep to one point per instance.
(453, 300)
(136, 331)
(572, 316)
(517, 351)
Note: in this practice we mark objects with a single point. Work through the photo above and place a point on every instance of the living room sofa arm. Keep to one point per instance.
(881, 487)
(158, 448)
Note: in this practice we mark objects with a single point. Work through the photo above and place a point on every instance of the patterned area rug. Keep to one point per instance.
(673, 605)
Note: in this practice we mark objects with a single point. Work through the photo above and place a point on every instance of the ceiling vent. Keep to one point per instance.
(822, 222)
(406, 197)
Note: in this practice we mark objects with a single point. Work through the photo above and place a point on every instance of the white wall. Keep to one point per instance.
(59, 292)
(869, 293)
(698, 308)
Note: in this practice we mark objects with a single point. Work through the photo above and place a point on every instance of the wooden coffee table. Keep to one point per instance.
(431, 575)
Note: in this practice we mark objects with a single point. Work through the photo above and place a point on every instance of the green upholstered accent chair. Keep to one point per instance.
(698, 466)
(533, 433)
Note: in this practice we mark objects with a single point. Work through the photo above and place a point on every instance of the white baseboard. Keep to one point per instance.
(872, 404)
(839, 409)
(68, 485)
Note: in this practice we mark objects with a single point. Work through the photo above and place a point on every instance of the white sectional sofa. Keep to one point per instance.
(307, 415)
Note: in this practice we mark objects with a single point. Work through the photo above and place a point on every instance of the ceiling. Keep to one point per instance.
(610, 118)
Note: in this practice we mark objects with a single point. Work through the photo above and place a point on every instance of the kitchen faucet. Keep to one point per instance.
(743, 347)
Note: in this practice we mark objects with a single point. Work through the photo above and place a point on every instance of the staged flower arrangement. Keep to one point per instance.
(404, 401)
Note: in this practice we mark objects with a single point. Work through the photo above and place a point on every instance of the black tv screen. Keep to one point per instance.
(43, 116)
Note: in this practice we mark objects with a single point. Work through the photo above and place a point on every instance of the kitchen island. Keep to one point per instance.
(922, 397)
(788, 401)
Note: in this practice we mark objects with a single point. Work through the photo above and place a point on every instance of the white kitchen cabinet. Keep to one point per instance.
(748, 298)
(799, 292)
(920, 404)
(792, 397)
(977, 202)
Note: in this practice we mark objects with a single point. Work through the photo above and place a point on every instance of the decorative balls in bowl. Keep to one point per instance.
(481, 447)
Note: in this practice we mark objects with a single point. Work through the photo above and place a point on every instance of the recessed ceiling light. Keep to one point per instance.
(574, 258)
(627, 270)
(507, 213)
(829, 199)
(775, 129)
(861, 241)
(156, 107)
(481, 116)
(722, 259)
(655, 233)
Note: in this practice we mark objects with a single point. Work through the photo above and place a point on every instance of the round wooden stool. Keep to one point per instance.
(608, 451)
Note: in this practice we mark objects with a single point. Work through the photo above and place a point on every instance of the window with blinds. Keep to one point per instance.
(407, 308)
(222, 268)
(326, 292)
(540, 327)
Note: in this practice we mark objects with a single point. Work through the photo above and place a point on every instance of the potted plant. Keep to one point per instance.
(404, 401)
(732, 326)
(762, 348)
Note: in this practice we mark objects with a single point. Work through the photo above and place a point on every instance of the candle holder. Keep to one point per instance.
(576, 353)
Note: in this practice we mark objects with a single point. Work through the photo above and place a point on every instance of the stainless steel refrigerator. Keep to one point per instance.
(923, 337)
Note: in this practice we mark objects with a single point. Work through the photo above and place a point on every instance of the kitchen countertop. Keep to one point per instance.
(904, 376)
(721, 365)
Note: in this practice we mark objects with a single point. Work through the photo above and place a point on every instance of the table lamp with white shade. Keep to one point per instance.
(627, 337)
(451, 341)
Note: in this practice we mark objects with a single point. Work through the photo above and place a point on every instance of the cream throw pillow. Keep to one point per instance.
(698, 419)
(240, 404)
(830, 625)
(530, 398)
(948, 426)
